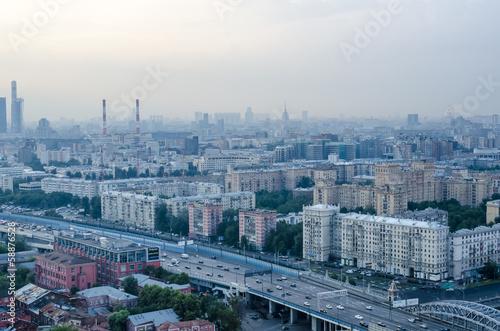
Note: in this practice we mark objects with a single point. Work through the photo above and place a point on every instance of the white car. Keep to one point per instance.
(329, 307)
(307, 303)
(339, 307)
(359, 317)
(369, 308)
(279, 287)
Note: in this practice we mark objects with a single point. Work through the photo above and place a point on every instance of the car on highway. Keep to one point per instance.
(200, 261)
(450, 289)
(322, 311)
(306, 303)
(369, 308)
(363, 324)
(423, 326)
(199, 268)
(382, 324)
(339, 307)
(288, 293)
(187, 267)
(220, 276)
(283, 278)
(308, 297)
(278, 279)
(269, 290)
(329, 307)
(163, 260)
(236, 268)
(213, 258)
(170, 265)
(219, 266)
(293, 285)
(411, 320)
(279, 287)
(226, 269)
(359, 317)
(254, 317)
(258, 281)
(209, 275)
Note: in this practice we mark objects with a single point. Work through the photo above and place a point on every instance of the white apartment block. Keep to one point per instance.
(321, 232)
(184, 189)
(470, 249)
(234, 200)
(398, 246)
(6, 183)
(13, 171)
(61, 155)
(131, 184)
(77, 187)
(219, 162)
(129, 209)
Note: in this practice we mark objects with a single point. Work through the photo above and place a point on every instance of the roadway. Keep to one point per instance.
(230, 271)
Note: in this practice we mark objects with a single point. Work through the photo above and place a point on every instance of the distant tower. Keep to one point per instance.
(249, 115)
(305, 116)
(412, 119)
(392, 293)
(137, 126)
(16, 111)
(285, 117)
(104, 125)
(3, 115)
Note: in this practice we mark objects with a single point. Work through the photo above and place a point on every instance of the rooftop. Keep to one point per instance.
(394, 221)
(157, 317)
(64, 259)
(29, 293)
(322, 207)
(106, 291)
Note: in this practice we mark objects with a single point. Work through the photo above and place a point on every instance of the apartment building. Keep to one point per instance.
(132, 184)
(256, 225)
(398, 246)
(467, 191)
(269, 179)
(115, 258)
(6, 183)
(283, 154)
(57, 270)
(469, 250)
(219, 162)
(183, 189)
(492, 211)
(234, 200)
(326, 193)
(130, 209)
(204, 219)
(45, 156)
(78, 187)
(321, 232)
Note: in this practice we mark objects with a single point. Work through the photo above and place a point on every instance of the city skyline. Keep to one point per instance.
(329, 58)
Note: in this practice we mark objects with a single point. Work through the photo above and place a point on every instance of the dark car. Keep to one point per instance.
(288, 293)
(308, 297)
(199, 268)
(220, 276)
(187, 267)
(293, 285)
(209, 275)
(213, 258)
(219, 266)
(363, 324)
(237, 268)
(381, 324)
(322, 311)
(254, 317)
(269, 290)
(226, 269)
(200, 261)
(258, 281)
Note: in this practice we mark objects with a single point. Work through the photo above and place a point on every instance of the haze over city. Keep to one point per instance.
(222, 56)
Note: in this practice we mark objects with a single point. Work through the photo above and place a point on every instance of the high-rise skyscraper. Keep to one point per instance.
(284, 117)
(249, 115)
(3, 115)
(16, 111)
(305, 116)
(412, 119)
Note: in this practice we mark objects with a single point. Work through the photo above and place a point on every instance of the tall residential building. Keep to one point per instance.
(283, 154)
(6, 183)
(77, 187)
(322, 235)
(256, 225)
(204, 220)
(3, 115)
(249, 116)
(305, 116)
(492, 211)
(412, 119)
(16, 111)
(130, 209)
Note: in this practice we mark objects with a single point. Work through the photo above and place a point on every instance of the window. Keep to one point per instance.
(72, 278)
(123, 268)
(72, 270)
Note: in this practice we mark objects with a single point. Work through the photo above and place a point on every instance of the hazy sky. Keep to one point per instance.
(225, 55)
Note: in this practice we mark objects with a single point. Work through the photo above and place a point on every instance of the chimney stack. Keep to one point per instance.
(104, 125)
(137, 127)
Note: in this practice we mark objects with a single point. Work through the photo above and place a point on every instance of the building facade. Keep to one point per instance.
(204, 219)
(115, 258)
(130, 209)
(78, 187)
(256, 225)
(62, 271)
(321, 232)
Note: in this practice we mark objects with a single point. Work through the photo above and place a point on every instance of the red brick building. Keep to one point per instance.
(204, 219)
(115, 258)
(62, 271)
(256, 225)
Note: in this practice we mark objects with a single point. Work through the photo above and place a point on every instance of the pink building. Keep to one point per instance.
(61, 271)
(204, 219)
(107, 297)
(256, 225)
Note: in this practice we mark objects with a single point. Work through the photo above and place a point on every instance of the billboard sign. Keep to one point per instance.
(153, 253)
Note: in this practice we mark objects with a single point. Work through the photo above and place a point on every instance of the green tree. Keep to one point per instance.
(74, 289)
(52, 213)
(118, 320)
(305, 182)
(97, 284)
(129, 285)
(489, 270)
(187, 306)
(65, 327)
(95, 207)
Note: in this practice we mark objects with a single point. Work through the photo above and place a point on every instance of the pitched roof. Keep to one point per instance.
(157, 317)
(106, 291)
(30, 293)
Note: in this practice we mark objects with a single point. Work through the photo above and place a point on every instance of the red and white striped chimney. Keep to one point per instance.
(104, 125)
(137, 127)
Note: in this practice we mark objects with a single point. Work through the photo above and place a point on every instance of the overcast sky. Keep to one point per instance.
(225, 55)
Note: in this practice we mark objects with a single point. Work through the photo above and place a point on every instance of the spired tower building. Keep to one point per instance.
(285, 118)
(16, 111)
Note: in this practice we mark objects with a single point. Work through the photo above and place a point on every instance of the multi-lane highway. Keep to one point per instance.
(292, 291)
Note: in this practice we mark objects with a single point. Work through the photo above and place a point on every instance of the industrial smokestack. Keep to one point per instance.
(104, 125)
(137, 127)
